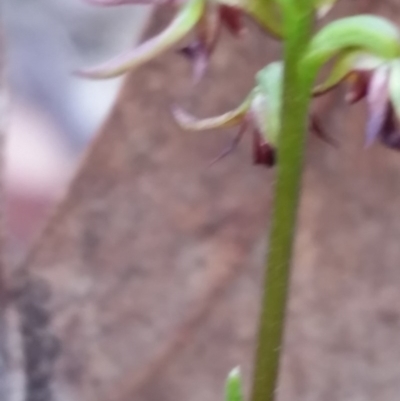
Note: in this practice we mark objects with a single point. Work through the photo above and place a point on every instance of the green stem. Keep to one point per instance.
(287, 191)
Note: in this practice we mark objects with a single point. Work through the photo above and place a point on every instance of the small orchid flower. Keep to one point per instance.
(259, 114)
(204, 18)
(375, 77)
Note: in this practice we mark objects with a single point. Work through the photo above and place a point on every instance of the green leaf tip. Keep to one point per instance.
(233, 386)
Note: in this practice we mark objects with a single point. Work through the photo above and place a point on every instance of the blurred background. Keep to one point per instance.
(54, 115)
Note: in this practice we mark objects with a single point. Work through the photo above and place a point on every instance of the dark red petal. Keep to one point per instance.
(263, 152)
(232, 18)
(378, 105)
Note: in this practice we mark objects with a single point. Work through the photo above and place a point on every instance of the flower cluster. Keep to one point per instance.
(365, 50)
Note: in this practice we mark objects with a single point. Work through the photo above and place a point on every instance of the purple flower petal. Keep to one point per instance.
(394, 87)
(207, 34)
(390, 134)
(199, 57)
(378, 104)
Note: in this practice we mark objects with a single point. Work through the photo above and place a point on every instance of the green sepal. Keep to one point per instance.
(184, 22)
(366, 33)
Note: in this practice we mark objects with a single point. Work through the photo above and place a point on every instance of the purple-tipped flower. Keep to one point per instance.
(245, 119)
(377, 81)
(366, 56)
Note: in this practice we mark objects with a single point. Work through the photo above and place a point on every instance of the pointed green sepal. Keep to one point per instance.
(233, 386)
(365, 33)
(186, 19)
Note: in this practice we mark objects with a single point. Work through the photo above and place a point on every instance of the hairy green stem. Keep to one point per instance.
(298, 29)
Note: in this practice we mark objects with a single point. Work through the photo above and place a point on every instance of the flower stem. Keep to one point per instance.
(298, 29)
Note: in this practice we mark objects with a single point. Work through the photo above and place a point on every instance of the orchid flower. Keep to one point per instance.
(375, 77)
(259, 114)
(204, 18)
